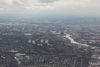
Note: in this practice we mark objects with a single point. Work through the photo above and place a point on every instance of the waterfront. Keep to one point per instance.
(73, 41)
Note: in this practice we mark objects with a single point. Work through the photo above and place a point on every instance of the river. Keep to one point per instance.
(73, 41)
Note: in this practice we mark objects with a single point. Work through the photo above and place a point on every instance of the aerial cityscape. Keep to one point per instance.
(50, 43)
(49, 33)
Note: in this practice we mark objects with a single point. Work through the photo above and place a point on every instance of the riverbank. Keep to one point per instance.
(73, 41)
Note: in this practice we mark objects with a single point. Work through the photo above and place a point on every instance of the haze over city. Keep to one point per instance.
(49, 33)
(78, 8)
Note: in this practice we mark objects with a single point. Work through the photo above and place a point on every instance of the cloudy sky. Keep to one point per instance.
(62, 7)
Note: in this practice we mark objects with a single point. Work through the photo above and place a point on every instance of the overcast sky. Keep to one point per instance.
(63, 7)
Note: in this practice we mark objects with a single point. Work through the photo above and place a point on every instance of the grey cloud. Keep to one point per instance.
(47, 1)
(19, 2)
(16, 3)
(57, 6)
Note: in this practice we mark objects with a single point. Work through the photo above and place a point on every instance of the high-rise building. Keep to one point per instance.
(46, 41)
(33, 41)
(29, 41)
(41, 41)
